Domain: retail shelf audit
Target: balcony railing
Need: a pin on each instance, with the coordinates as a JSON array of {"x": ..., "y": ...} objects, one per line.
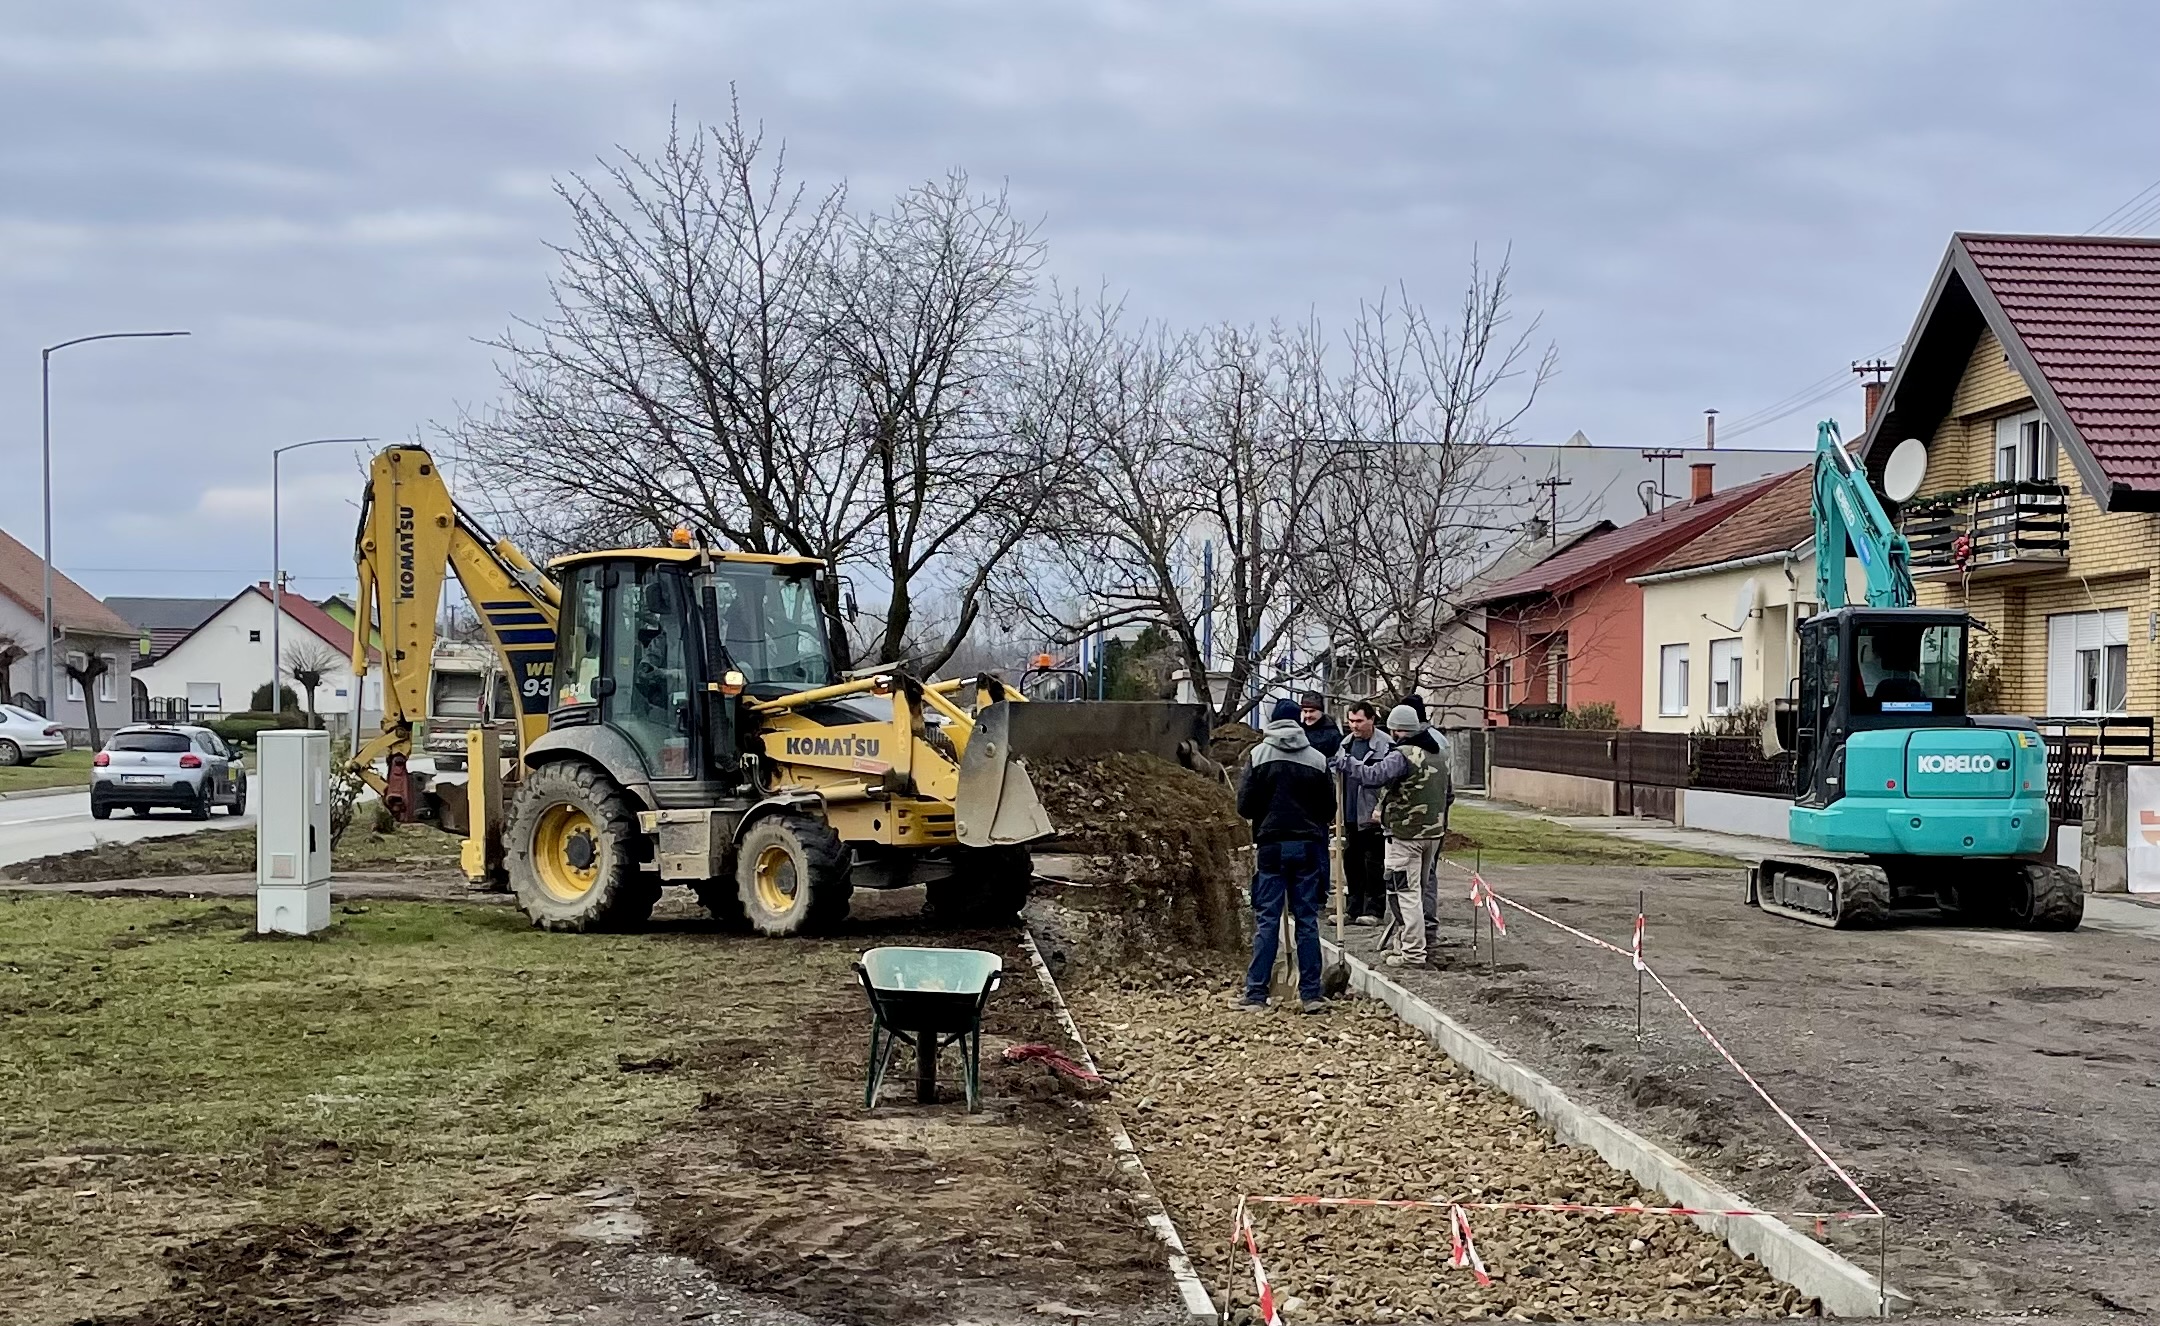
[{"x": 1989, "y": 530}]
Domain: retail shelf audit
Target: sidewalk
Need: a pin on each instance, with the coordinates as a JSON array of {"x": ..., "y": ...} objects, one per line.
[{"x": 2116, "y": 913}]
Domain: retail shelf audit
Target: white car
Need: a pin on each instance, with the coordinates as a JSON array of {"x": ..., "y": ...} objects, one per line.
[{"x": 26, "y": 737}]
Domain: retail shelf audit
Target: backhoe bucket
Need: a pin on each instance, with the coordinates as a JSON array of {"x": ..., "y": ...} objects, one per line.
[{"x": 998, "y": 804}]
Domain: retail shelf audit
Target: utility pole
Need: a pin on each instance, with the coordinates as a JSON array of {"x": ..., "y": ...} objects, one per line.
[
  {"x": 1552, "y": 484},
  {"x": 1662, "y": 455}
]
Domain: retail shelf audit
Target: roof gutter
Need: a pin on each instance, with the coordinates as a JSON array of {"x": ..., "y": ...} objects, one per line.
[{"x": 1800, "y": 549}]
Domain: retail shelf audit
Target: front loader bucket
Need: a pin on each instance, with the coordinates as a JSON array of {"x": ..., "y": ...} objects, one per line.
[{"x": 998, "y": 804}]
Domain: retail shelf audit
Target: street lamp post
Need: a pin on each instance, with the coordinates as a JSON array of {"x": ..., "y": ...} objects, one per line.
[
  {"x": 277, "y": 573},
  {"x": 52, "y": 638}
]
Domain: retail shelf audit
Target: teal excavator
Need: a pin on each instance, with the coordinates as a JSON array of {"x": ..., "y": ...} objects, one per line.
[{"x": 1916, "y": 807}]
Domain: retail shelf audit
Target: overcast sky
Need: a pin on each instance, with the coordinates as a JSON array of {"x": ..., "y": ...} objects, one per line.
[{"x": 1710, "y": 204}]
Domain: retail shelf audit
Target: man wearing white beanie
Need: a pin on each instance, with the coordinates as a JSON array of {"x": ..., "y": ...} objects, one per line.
[{"x": 1415, "y": 794}]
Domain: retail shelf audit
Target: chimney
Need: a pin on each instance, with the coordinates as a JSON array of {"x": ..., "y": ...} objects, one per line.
[
  {"x": 1871, "y": 393},
  {"x": 1699, "y": 481},
  {"x": 1709, "y": 430}
]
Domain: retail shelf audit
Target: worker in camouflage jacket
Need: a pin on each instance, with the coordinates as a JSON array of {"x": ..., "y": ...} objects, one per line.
[{"x": 1416, "y": 791}]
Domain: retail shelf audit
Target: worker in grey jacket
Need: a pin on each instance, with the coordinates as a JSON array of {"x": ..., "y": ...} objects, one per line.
[
  {"x": 1364, "y": 841},
  {"x": 1416, "y": 790}
]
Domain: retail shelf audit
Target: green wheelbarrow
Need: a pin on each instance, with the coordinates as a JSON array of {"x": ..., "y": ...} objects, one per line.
[{"x": 928, "y": 998}]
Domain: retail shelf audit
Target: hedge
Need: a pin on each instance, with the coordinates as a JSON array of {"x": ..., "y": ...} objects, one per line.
[{"x": 241, "y": 729}]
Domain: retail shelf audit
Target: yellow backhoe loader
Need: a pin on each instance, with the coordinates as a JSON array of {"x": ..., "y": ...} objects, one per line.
[{"x": 680, "y": 721}]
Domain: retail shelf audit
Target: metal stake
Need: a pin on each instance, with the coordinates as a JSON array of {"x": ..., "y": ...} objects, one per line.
[
  {"x": 1882, "y": 1268},
  {"x": 1639, "y": 894}
]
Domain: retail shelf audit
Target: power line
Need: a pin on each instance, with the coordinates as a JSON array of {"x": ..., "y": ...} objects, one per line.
[{"x": 2128, "y": 208}]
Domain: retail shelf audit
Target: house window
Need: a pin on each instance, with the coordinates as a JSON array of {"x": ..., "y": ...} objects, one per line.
[
  {"x": 1505, "y": 679},
  {"x": 1672, "y": 680},
  {"x": 108, "y": 679},
  {"x": 2024, "y": 448},
  {"x": 75, "y": 663},
  {"x": 2088, "y": 662},
  {"x": 254, "y": 637},
  {"x": 1724, "y": 675},
  {"x": 1556, "y": 672}
]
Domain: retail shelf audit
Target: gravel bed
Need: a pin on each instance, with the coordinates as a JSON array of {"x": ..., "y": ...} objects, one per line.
[{"x": 1354, "y": 1103}]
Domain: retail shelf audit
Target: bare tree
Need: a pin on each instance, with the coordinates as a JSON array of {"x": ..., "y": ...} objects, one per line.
[
  {"x": 85, "y": 675},
  {"x": 309, "y": 662},
  {"x": 12, "y": 651},
  {"x": 729, "y": 350},
  {"x": 1407, "y": 522},
  {"x": 1202, "y": 453}
]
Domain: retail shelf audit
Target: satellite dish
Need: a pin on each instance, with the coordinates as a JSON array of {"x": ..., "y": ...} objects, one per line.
[
  {"x": 1750, "y": 598},
  {"x": 1905, "y": 469}
]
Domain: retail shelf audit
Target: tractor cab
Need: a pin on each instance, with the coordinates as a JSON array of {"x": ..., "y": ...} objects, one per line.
[
  {"x": 1870, "y": 669},
  {"x": 657, "y": 644}
]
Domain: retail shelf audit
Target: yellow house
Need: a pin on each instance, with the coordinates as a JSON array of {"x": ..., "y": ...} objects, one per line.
[{"x": 2032, "y": 374}]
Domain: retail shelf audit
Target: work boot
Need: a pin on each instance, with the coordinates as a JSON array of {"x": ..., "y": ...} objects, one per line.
[
  {"x": 1313, "y": 1006},
  {"x": 1246, "y": 1007}
]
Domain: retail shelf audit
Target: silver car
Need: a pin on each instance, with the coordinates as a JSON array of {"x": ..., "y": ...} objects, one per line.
[
  {"x": 155, "y": 764},
  {"x": 26, "y": 737}
]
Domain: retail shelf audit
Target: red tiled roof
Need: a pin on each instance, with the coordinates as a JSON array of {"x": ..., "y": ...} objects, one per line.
[
  {"x": 1780, "y": 520},
  {"x": 22, "y": 578},
  {"x": 303, "y": 613},
  {"x": 1627, "y": 550},
  {"x": 2087, "y": 310}
]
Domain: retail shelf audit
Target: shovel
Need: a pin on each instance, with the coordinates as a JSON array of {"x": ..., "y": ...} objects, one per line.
[{"x": 1335, "y": 977}]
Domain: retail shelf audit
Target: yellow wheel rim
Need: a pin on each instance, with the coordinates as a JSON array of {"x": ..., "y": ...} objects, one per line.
[
  {"x": 776, "y": 884},
  {"x": 566, "y": 852}
]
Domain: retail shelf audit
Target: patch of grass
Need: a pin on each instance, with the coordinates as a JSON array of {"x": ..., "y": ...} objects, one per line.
[
  {"x": 232, "y": 851},
  {"x": 1508, "y": 839},
  {"x": 68, "y": 769},
  {"x": 163, "y": 1071}
]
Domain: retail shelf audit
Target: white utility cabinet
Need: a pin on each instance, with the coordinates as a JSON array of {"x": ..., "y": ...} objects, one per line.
[{"x": 292, "y": 835}]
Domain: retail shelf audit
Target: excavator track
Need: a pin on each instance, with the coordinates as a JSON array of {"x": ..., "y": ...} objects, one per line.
[
  {"x": 1851, "y": 893},
  {"x": 1837, "y": 892}
]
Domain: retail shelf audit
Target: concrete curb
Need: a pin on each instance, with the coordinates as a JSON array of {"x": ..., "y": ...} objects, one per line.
[
  {"x": 1843, "y": 1288},
  {"x": 29, "y": 792},
  {"x": 1197, "y": 1303}
]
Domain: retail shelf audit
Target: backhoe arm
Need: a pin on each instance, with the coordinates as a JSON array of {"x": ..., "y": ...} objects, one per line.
[
  {"x": 1848, "y": 515},
  {"x": 412, "y": 536}
]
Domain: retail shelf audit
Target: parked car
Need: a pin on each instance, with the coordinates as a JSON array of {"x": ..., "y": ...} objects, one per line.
[
  {"x": 153, "y": 764},
  {"x": 27, "y": 737}
]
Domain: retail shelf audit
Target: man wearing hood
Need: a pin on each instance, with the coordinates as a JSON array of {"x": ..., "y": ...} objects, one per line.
[
  {"x": 1287, "y": 795},
  {"x": 1415, "y": 793},
  {"x": 1364, "y": 841}
]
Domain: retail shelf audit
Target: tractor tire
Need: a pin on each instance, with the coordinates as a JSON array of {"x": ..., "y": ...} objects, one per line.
[
  {"x": 573, "y": 851},
  {"x": 2047, "y": 897},
  {"x": 722, "y": 902},
  {"x": 988, "y": 887},
  {"x": 793, "y": 876}
]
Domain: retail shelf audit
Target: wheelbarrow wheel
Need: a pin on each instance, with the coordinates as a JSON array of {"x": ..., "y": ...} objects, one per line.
[
  {"x": 988, "y": 886},
  {"x": 572, "y": 845},
  {"x": 792, "y": 876}
]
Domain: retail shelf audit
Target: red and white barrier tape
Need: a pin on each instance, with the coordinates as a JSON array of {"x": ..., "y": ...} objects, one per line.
[
  {"x": 1557, "y": 1208},
  {"x": 1481, "y": 895},
  {"x": 1464, "y": 1249},
  {"x": 1493, "y": 899},
  {"x": 1266, "y": 1294}
]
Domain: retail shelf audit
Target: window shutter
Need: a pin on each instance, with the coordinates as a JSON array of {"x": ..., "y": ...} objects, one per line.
[{"x": 2061, "y": 663}]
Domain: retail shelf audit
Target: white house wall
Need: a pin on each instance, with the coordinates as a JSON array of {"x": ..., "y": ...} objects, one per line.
[
  {"x": 28, "y": 677},
  {"x": 1696, "y": 609},
  {"x": 233, "y": 650}
]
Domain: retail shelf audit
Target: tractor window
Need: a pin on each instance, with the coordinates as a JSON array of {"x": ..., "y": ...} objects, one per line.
[
  {"x": 1909, "y": 668},
  {"x": 650, "y": 661},
  {"x": 773, "y": 627},
  {"x": 579, "y": 637}
]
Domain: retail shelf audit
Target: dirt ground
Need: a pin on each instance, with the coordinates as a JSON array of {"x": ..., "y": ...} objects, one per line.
[
  {"x": 1995, "y": 1091},
  {"x": 765, "y": 1195}
]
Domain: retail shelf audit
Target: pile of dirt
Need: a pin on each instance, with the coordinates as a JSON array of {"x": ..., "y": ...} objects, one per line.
[
  {"x": 1231, "y": 743},
  {"x": 1167, "y": 849}
]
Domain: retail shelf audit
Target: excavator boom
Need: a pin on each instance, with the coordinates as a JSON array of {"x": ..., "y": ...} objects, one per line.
[{"x": 412, "y": 537}]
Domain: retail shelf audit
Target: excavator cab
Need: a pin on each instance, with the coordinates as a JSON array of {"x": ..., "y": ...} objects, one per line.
[{"x": 1869, "y": 669}]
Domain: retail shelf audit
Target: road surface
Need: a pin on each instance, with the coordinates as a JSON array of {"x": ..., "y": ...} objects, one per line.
[{"x": 31, "y": 827}]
